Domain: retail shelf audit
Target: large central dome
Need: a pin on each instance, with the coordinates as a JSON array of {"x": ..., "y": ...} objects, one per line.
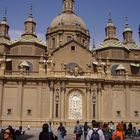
[
  {"x": 68, "y": 19},
  {"x": 67, "y": 16},
  {"x": 67, "y": 26}
]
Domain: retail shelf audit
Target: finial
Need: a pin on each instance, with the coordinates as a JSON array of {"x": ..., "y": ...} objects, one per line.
[
  {"x": 30, "y": 12},
  {"x": 139, "y": 33},
  {"x": 126, "y": 22},
  {"x": 94, "y": 45},
  {"x": 5, "y": 15},
  {"x": 109, "y": 17}
]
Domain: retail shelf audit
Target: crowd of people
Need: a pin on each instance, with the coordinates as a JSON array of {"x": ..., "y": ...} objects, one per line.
[
  {"x": 94, "y": 131},
  {"x": 10, "y": 133}
]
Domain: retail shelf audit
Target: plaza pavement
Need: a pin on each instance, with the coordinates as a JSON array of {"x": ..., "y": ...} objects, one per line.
[{"x": 33, "y": 134}]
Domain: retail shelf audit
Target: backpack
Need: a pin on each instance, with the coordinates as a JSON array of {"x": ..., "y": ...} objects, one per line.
[
  {"x": 78, "y": 130},
  {"x": 64, "y": 132},
  {"x": 95, "y": 135},
  {"x": 117, "y": 138}
]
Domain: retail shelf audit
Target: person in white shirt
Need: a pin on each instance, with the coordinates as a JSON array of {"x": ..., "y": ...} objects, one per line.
[{"x": 95, "y": 126}]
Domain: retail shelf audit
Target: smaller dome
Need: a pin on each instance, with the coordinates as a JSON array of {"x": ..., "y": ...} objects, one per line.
[
  {"x": 127, "y": 29},
  {"x": 110, "y": 24},
  {"x": 30, "y": 19},
  {"x": 4, "y": 22},
  {"x": 68, "y": 19}
]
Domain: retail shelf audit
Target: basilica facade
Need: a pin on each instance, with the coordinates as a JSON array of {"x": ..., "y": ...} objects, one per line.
[{"x": 64, "y": 80}]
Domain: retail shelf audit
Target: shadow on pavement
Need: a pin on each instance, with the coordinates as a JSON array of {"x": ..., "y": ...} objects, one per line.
[{"x": 25, "y": 137}]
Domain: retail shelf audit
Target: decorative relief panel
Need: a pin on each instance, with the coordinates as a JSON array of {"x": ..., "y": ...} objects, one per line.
[
  {"x": 74, "y": 69},
  {"x": 75, "y": 106}
]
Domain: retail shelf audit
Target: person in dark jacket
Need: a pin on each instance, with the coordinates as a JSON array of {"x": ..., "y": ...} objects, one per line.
[
  {"x": 44, "y": 134},
  {"x": 61, "y": 132}
]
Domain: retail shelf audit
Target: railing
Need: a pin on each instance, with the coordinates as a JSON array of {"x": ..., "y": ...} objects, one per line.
[
  {"x": 91, "y": 75},
  {"x": 21, "y": 73}
]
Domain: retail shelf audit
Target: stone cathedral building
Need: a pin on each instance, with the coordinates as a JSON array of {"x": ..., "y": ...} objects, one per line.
[{"x": 64, "y": 80}]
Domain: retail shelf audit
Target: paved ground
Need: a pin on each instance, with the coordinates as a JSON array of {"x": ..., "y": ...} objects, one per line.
[{"x": 34, "y": 133}]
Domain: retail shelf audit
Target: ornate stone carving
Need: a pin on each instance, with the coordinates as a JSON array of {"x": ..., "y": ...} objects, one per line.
[
  {"x": 75, "y": 106},
  {"x": 75, "y": 71}
]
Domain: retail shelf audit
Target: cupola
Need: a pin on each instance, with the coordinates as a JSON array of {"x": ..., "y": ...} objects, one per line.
[
  {"x": 127, "y": 34},
  {"x": 30, "y": 25}
]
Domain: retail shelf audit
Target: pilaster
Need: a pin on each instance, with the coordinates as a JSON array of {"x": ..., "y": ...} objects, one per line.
[
  {"x": 1, "y": 96},
  {"x": 20, "y": 101},
  {"x": 99, "y": 93},
  {"x": 63, "y": 89},
  {"x": 88, "y": 102},
  {"x": 39, "y": 100},
  {"x": 127, "y": 102},
  {"x": 51, "y": 100}
]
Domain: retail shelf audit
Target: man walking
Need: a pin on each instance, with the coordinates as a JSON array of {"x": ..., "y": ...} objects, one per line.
[{"x": 95, "y": 132}]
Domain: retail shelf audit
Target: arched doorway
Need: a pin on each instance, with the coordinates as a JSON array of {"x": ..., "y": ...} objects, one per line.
[{"x": 75, "y": 105}]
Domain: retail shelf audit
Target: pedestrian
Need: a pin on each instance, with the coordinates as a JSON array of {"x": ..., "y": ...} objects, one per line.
[
  {"x": 78, "y": 130},
  {"x": 86, "y": 128},
  {"x": 8, "y": 134},
  {"x": 61, "y": 132},
  {"x": 50, "y": 127},
  {"x": 44, "y": 134},
  {"x": 107, "y": 131},
  {"x": 28, "y": 127},
  {"x": 118, "y": 134},
  {"x": 95, "y": 132},
  {"x": 1, "y": 134}
]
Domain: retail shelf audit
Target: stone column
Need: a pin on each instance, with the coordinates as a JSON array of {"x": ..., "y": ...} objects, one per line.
[
  {"x": 110, "y": 101},
  {"x": 39, "y": 99},
  {"x": 88, "y": 102},
  {"x": 2, "y": 66},
  {"x": 51, "y": 100},
  {"x": 1, "y": 101},
  {"x": 20, "y": 101},
  {"x": 99, "y": 93},
  {"x": 127, "y": 103},
  {"x": 63, "y": 89}
]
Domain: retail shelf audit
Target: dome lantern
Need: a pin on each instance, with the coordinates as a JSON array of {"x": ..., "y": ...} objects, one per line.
[
  {"x": 127, "y": 34},
  {"x": 30, "y": 24},
  {"x": 68, "y": 6}
]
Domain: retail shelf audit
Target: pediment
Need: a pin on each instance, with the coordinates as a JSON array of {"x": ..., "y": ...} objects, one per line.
[
  {"x": 72, "y": 53},
  {"x": 70, "y": 44}
]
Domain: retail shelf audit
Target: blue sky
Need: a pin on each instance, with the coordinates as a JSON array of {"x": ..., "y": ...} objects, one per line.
[{"x": 93, "y": 12}]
